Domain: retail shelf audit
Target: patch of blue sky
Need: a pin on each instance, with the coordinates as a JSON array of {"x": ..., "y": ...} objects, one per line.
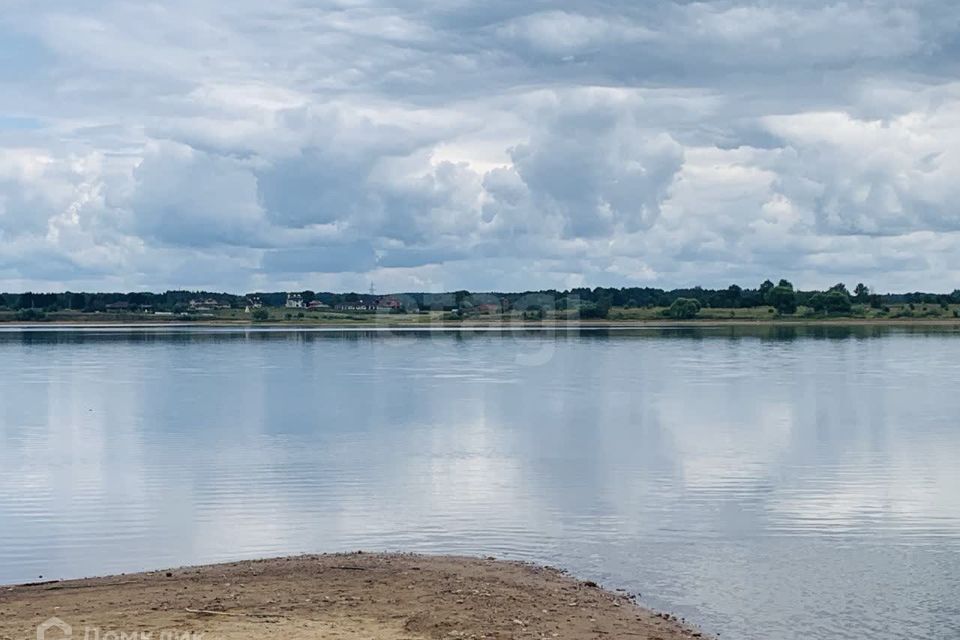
[{"x": 19, "y": 123}]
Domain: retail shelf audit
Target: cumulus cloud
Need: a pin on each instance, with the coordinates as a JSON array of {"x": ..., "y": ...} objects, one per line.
[
  {"x": 873, "y": 176},
  {"x": 493, "y": 145}
]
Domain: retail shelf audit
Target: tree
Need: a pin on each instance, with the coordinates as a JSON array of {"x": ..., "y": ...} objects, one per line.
[
  {"x": 833, "y": 301},
  {"x": 842, "y": 288},
  {"x": 604, "y": 302},
  {"x": 77, "y": 301},
  {"x": 733, "y": 296},
  {"x": 684, "y": 309},
  {"x": 782, "y": 297},
  {"x": 862, "y": 292},
  {"x": 595, "y": 310},
  {"x": 30, "y": 315},
  {"x": 765, "y": 288}
]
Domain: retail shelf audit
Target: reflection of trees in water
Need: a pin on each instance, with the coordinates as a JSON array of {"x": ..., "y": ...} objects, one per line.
[{"x": 211, "y": 335}]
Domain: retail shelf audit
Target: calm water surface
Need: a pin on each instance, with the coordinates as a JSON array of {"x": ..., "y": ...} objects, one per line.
[{"x": 771, "y": 484}]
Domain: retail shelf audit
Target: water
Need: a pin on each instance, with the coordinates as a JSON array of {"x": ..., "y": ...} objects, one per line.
[{"x": 767, "y": 484}]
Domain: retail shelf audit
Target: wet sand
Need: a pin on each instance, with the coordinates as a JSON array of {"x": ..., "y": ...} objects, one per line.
[{"x": 336, "y": 597}]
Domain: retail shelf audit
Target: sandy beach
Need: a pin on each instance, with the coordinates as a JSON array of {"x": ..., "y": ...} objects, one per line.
[{"x": 343, "y": 597}]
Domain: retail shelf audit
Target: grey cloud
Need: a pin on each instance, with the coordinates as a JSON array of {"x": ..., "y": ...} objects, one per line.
[
  {"x": 315, "y": 188},
  {"x": 598, "y": 170},
  {"x": 407, "y": 257},
  {"x": 46, "y": 264},
  {"x": 566, "y": 34},
  {"x": 22, "y": 210},
  {"x": 185, "y": 197},
  {"x": 355, "y": 257}
]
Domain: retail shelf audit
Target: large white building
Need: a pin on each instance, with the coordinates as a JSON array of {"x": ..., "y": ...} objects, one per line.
[{"x": 294, "y": 301}]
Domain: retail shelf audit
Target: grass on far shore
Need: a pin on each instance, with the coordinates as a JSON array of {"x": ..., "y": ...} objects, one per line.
[{"x": 899, "y": 313}]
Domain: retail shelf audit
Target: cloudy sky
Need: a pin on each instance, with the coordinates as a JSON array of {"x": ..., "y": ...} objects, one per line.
[{"x": 443, "y": 144}]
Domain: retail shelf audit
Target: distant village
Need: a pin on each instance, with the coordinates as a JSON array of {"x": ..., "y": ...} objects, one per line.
[
  {"x": 380, "y": 304},
  {"x": 210, "y": 304},
  {"x": 297, "y": 301}
]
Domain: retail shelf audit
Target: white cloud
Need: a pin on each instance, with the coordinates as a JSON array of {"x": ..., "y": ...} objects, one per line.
[{"x": 874, "y": 176}]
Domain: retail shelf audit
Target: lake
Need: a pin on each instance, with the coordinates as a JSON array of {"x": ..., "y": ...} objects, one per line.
[{"x": 765, "y": 483}]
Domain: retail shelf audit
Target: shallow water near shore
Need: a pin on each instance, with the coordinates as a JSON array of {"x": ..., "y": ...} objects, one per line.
[{"x": 778, "y": 482}]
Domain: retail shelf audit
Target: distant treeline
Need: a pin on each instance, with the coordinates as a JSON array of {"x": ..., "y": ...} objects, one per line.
[
  {"x": 782, "y": 296},
  {"x": 172, "y": 301}
]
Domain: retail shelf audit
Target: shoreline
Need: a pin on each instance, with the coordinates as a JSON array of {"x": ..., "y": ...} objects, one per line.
[
  {"x": 345, "y": 596},
  {"x": 493, "y": 325}
]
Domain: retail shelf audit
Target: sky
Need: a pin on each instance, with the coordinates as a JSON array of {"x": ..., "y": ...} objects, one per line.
[{"x": 500, "y": 145}]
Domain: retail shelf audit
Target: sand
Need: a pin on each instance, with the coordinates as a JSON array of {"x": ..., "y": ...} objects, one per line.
[{"x": 335, "y": 597}]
